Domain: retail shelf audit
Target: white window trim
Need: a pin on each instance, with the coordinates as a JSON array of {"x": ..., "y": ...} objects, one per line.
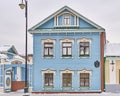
[
  {"x": 66, "y": 71},
  {"x": 84, "y": 39},
  {"x": 63, "y": 18},
  {"x": 47, "y": 41},
  {"x": 48, "y": 71},
  {"x": 76, "y": 20},
  {"x": 66, "y": 40},
  {"x": 84, "y": 71}
]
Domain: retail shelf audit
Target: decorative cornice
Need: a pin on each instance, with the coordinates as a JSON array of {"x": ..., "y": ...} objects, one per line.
[{"x": 66, "y": 30}]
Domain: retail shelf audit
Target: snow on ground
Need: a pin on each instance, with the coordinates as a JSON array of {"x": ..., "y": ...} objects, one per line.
[
  {"x": 29, "y": 94},
  {"x": 21, "y": 93}
]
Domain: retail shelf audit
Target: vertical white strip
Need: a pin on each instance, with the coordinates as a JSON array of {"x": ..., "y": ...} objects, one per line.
[
  {"x": 112, "y": 72},
  {"x": 18, "y": 73}
]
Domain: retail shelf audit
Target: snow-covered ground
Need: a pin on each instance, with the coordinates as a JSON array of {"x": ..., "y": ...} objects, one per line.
[{"x": 21, "y": 93}]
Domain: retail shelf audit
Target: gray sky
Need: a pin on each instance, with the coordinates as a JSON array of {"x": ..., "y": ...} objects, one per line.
[{"x": 105, "y": 13}]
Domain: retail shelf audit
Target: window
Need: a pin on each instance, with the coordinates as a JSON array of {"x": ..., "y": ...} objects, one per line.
[
  {"x": 67, "y": 79},
  {"x": 84, "y": 79},
  {"x": 66, "y": 49},
  {"x": 48, "y": 49},
  {"x": 48, "y": 79},
  {"x": 66, "y": 20},
  {"x": 84, "y": 48}
]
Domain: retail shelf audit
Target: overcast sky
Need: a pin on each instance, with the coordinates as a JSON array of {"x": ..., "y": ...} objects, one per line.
[{"x": 105, "y": 13}]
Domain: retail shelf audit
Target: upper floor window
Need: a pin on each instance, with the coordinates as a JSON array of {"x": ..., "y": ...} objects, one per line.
[
  {"x": 48, "y": 49},
  {"x": 66, "y": 19},
  {"x": 84, "y": 48},
  {"x": 66, "y": 49}
]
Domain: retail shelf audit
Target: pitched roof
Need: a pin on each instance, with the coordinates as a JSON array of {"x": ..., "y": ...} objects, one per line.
[
  {"x": 3, "y": 56},
  {"x": 61, "y": 10},
  {"x": 6, "y": 48},
  {"x": 112, "y": 49}
]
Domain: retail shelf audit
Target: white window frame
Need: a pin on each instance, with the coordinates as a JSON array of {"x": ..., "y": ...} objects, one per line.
[
  {"x": 66, "y": 71},
  {"x": 48, "y": 41},
  {"x": 66, "y": 19},
  {"x": 84, "y": 71},
  {"x": 67, "y": 40},
  {"x": 84, "y": 39},
  {"x": 48, "y": 71}
]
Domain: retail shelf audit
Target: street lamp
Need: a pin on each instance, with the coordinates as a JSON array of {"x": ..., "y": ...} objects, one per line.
[
  {"x": 112, "y": 63},
  {"x": 22, "y": 6}
]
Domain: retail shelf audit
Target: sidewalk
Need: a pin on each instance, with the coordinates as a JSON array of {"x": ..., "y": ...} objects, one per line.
[{"x": 21, "y": 93}]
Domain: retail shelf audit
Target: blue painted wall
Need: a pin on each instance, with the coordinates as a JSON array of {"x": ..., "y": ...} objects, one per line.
[{"x": 58, "y": 63}]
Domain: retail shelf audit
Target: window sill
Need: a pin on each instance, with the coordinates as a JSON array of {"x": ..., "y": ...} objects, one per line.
[
  {"x": 84, "y": 88},
  {"x": 67, "y": 88},
  {"x": 48, "y": 57},
  {"x": 84, "y": 55},
  {"x": 66, "y": 56},
  {"x": 48, "y": 88}
]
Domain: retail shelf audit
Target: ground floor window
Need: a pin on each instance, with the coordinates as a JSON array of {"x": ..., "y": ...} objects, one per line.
[
  {"x": 84, "y": 80},
  {"x": 67, "y": 79},
  {"x": 48, "y": 80}
]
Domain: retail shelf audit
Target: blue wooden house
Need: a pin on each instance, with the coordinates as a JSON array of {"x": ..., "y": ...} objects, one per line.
[
  {"x": 68, "y": 53},
  {"x": 12, "y": 69}
]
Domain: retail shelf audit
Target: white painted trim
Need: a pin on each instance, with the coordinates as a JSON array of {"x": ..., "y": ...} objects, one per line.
[
  {"x": 84, "y": 39},
  {"x": 18, "y": 74},
  {"x": 59, "y": 11},
  {"x": 66, "y": 40},
  {"x": 66, "y": 30},
  {"x": 85, "y": 71},
  {"x": 66, "y": 71},
  {"x": 112, "y": 71},
  {"x": 47, "y": 40},
  {"x": 48, "y": 71}
]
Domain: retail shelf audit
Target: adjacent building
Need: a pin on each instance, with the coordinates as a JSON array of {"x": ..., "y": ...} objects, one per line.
[
  {"x": 12, "y": 69},
  {"x": 112, "y": 67},
  {"x": 68, "y": 53}
]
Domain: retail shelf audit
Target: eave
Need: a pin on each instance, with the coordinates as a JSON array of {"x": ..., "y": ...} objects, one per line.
[{"x": 65, "y": 30}]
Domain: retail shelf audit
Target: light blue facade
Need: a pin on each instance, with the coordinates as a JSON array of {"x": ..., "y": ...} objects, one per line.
[{"x": 52, "y": 29}]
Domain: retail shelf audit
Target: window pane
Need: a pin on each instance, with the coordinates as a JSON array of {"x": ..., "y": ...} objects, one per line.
[
  {"x": 67, "y": 44},
  {"x": 67, "y": 48},
  {"x": 84, "y": 79},
  {"x": 84, "y": 48},
  {"x": 67, "y": 79},
  {"x": 66, "y": 19},
  {"x": 69, "y": 51},
  {"x": 48, "y": 79},
  {"x": 64, "y": 51},
  {"x": 48, "y": 49},
  {"x": 82, "y": 51}
]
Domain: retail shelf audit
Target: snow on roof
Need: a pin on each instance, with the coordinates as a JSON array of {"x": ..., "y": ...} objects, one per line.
[
  {"x": 3, "y": 56},
  {"x": 5, "y": 47},
  {"x": 112, "y": 49}
]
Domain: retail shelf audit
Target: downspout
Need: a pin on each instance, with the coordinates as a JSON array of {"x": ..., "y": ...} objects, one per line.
[{"x": 104, "y": 73}]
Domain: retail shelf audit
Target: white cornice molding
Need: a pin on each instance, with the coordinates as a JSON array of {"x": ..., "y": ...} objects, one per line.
[{"x": 66, "y": 30}]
